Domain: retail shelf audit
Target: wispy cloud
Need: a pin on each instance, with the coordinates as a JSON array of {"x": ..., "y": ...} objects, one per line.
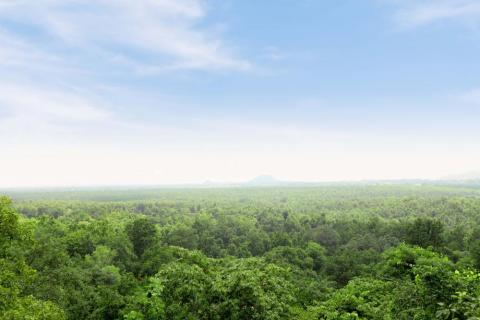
[
  {"x": 53, "y": 54},
  {"x": 33, "y": 112},
  {"x": 20, "y": 58},
  {"x": 44, "y": 103},
  {"x": 416, "y": 13},
  {"x": 273, "y": 53},
  {"x": 166, "y": 33}
]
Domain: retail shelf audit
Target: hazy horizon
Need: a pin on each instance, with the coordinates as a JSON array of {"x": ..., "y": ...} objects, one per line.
[
  {"x": 472, "y": 177},
  {"x": 183, "y": 91}
]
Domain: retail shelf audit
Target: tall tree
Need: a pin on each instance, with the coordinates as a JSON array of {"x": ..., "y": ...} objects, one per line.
[{"x": 142, "y": 234}]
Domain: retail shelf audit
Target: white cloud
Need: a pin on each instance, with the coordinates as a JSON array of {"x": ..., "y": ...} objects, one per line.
[
  {"x": 49, "y": 87},
  {"x": 32, "y": 112},
  {"x": 416, "y": 13},
  {"x": 59, "y": 105},
  {"x": 17, "y": 53},
  {"x": 166, "y": 31}
]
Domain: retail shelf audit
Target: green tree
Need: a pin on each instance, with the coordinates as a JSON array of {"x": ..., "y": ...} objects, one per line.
[
  {"x": 142, "y": 233},
  {"x": 16, "y": 275},
  {"x": 425, "y": 232},
  {"x": 253, "y": 289}
]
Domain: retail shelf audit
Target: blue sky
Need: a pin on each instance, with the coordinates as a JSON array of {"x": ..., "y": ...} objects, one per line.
[{"x": 176, "y": 91}]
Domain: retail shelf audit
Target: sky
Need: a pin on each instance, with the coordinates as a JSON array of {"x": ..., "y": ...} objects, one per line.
[{"x": 133, "y": 92}]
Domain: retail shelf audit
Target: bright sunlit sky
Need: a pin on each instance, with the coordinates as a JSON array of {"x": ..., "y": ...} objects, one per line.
[{"x": 114, "y": 92}]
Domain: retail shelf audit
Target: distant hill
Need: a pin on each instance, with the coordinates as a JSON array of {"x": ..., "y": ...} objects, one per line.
[{"x": 264, "y": 180}]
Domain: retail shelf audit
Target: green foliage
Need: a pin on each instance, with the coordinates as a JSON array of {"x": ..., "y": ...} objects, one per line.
[
  {"x": 425, "y": 232},
  {"x": 184, "y": 290},
  {"x": 465, "y": 302},
  {"x": 290, "y": 256},
  {"x": 29, "y": 308},
  {"x": 16, "y": 275},
  {"x": 346, "y": 252},
  {"x": 404, "y": 261},
  {"x": 141, "y": 233},
  {"x": 360, "y": 299},
  {"x": 253, "y": 289},
  {"x": 229, "y": 289},
  {"x": 9, "y": 226}
]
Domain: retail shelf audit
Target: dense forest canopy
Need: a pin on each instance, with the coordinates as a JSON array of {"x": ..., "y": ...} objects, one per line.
[{"x": 325, "y": 252}]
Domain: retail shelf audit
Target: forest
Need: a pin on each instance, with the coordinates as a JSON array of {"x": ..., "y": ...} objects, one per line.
[{"x": 321, "y": 252}]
